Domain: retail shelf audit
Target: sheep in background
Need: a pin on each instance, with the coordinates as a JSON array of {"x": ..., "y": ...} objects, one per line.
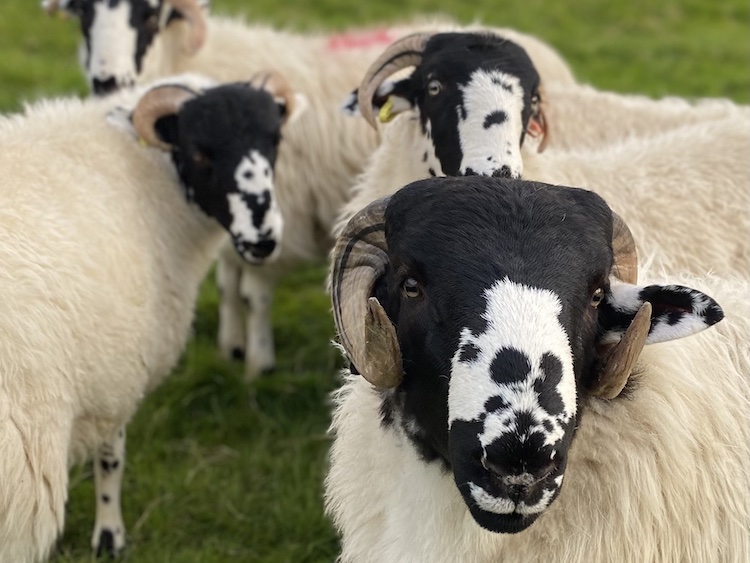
[
  {"x": 512, "y": 413},
  {"x": 686, "y": 187},
  {"x": 322, "y": 154},
  {"x": 103, "y": 246},
  {"x": 581, "y": 117}
]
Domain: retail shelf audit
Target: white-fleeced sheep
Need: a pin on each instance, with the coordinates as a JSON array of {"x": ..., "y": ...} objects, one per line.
[
  {"x": 322, "y": 154},
  {"x": 456, "y": 441},
  {"x": 581, "y": 117},
  {"x": 675, "y": 171},
  {"x": 104, "y": 242}
]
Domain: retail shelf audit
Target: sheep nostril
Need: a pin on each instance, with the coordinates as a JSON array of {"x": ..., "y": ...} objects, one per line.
[
  {"x": 263, "y": 248},
  {"x": 104, "y": 87},
  {"x": 504, "y": 172}
]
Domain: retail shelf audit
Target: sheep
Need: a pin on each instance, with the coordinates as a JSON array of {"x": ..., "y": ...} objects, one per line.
[
  {"x": 322, "y": 154},
  {"x": 104, "y": 245},
  {"x": 672, "y": 160},
  {"x": 506, "y": 408}
]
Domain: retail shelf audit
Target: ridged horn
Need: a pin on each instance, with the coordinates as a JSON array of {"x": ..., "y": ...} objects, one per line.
[
  {"x": 192, "y": 12},
  {"x": 618, "y": 359},
  {"x": 625, "y": 266},
  {"x": 403, "y": 53},
  {"x": 276, "y": 85},
  {"x": 157, "y": 103},
  {"x": 617, "y": 363},
  {"x": 359, "y": 258}
]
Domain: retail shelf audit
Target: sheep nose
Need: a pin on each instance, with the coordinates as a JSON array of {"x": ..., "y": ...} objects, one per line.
[
  {"x": 504, "y": 172},
  {"x": 516, "y": 484},
  {"x": 263, "y": 249},
  {"x": 104, "y": 87}
]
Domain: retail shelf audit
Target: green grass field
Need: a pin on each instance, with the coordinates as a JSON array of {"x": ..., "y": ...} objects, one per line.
[{"x": 217, "y": 471}]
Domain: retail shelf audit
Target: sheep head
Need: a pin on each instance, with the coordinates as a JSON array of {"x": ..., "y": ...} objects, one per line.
[
  {"x": 477, "y": 96},
  {"x": 485, "y": 310}
]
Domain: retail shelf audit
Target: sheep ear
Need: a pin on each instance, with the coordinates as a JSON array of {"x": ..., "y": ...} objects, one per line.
[
  {"x": 632, "y": 316},
  {"x": 394, "y": 95},
  {"x": 677, "y": 311},
  {"x": 537, "y": 126}
]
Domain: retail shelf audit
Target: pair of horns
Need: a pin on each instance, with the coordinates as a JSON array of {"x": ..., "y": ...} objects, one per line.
[
  {"x": 167, "y": 100},
  {"x": 190, "y": 9},
  {"x": 360, "y": 257}
]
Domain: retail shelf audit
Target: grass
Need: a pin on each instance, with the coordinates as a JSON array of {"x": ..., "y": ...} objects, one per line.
[{"x": 217, "y": 471}]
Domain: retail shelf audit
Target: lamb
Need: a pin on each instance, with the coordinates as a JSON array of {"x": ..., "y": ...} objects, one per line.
[
  {"x": 322, "y": 154},
  {"x": 693, "y": 172},
  {"x": 512, "y": 413},
  {"x": 104, "y": 245}
]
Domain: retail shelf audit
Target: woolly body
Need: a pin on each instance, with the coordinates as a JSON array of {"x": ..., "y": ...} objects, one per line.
[
  {"x": 661, "y": 474},
  {"x": 102, "y": 258}
]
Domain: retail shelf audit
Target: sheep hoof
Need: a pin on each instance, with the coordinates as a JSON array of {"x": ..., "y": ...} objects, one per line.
[
  {"x": 106, "y": 545},
  {"x": 238, "y": 354}
]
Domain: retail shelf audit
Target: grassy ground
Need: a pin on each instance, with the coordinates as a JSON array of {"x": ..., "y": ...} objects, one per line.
[{"x": 219, "y": 472}]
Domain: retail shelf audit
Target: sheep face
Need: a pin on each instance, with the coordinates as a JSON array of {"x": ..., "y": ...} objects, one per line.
[
  {"x": 224, "y": 145},
  {"x": 476, "y": 95},
  {"x": 116, "y": 36},
  {"x": 501, "y": 295}
]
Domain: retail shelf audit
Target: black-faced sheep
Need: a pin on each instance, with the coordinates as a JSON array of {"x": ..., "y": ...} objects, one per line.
[
  {"x": 506, "y": 408},
  {"x": 105, "y": 242}
]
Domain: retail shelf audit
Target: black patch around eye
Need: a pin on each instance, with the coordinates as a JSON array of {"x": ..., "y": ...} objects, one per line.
[
  {"x": 510, "y": 366},
  {"x": 469, "y": 353},
  {"x": 495, "y": 118}
]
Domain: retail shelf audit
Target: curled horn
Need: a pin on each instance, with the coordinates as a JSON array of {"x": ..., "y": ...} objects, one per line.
[
  {"x": 192, "y": 12},
  {"x": 157, "y": 103},
  {"x": 405, "y": 52},
  {"x": 617, "y": 360},
  {"x": 359, "y": 258},
  {"x": 276, "y": 85}
]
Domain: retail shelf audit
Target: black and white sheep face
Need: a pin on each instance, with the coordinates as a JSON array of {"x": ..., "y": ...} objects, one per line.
[
  {"x": 476, "y": 95},
  {"x": 224, "y": 145},
  {"x": 500, "y": 292},
  {"x": 116, "y": 37}
]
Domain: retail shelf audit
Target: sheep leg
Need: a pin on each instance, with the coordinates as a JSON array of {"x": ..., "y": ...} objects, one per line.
[
  {"x": 257, "y": 290},
  {"x": 231, "y": 309},
  {"x": 109, "y": 530}
]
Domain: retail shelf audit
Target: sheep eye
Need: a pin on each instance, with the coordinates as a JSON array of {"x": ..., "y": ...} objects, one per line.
[
  {"x": 200, "y": 159},
  {"x": 411, "y": 288},
  {"x": 434, "y": 87},
  {"x": 597, "y": 297}
]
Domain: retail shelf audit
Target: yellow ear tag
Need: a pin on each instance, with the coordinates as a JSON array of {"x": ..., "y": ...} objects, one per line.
[
  {"x": 386, "y": 112},
  {"x": 142, "y": 142}
]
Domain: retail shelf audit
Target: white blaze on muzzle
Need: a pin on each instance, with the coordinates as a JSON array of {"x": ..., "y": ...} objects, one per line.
[
  {"x": 490, "y": 133},
  {"x": 523, "y": 321},
  {"x": 255, "y": 214},
  {"x": 113, "y": 45}
]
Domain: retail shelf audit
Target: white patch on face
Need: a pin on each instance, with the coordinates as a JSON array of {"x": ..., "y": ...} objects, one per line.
[
  {"x": 254, "y": 177},
  {"x": 113, "y": 45},
  {"x": 487, "y": 146},
  {"x": 525, "y": 319}
]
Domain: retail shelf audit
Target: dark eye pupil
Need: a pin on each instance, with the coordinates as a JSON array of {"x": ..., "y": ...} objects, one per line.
[{"x": 411, "y": 288}]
